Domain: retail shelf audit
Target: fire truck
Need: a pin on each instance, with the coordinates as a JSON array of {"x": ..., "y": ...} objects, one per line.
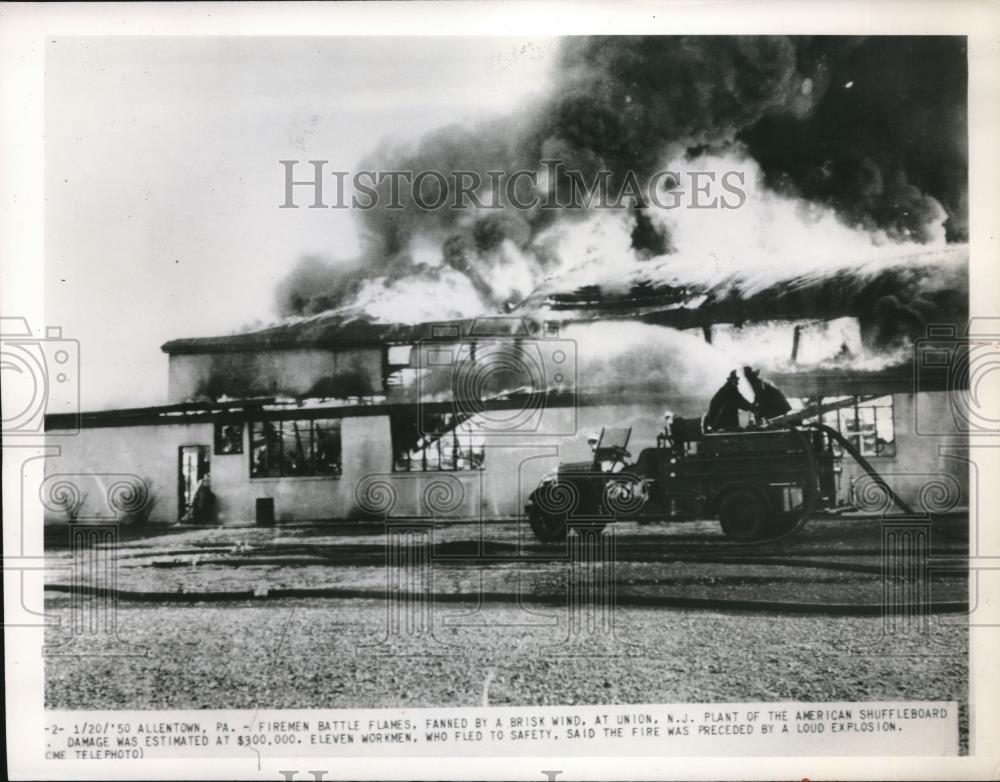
[{"x": 760, "y": 483}]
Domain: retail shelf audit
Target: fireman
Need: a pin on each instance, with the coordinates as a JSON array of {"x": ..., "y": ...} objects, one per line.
[
  {"x": 724, "y": 409},
  {"x": 665, "y": 439},
  {"x": 769, "y": 401}
]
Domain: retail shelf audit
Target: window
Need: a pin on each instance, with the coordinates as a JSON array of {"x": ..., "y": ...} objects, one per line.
[
  {"x": 865, "y": 421},
  {"x": 398, "y": 369},
  {"x": 295, "y": 448},
  {"x": 435, "y": 441},
  {"x": 228, "y": 438}
]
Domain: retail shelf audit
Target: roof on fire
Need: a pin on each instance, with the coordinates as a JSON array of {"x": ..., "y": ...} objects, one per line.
[
  {"x": 926, "y": 286},
  {"x": 352, "y": 328}
]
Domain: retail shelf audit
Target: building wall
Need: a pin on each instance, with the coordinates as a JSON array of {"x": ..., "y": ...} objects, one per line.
[
  {"x": 927, "y": 470},
  {"x": 97, "y": 458},
  {"x": 514, "y": 464},
  {"x": 366, "y": 450}
]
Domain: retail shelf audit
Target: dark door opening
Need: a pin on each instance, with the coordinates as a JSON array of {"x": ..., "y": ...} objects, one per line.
[{"x": 195, "y": 501}]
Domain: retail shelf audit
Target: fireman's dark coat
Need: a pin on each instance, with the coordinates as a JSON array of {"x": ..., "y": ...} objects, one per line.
[
  {"x": 724, "y": 409},
  {"x": 769, "y": 401}
]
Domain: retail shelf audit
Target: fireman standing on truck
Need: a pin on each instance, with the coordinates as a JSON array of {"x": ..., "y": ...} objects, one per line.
[
  {"x": 724, "y": 409},
  {"x": 769, "y": 401}
]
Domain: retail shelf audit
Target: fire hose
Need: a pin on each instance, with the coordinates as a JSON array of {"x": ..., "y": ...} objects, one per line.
[
  {"x": 555, "y": 599},
  {"x": 812, "y": 496},
  {"x": 866, "y": 466}
]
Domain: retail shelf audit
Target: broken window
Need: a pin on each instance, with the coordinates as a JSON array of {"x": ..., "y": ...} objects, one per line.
[
  {"x": 228, "y": 438},
  {"x": 295, "y": 448},
  {"x": 868, "y": 425},
  {"x": 398, "y": 370},
  {"x": 435, "y": 441},
  {"x": 865, "y": 421}
]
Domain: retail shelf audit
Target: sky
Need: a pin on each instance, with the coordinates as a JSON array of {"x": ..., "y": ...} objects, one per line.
[{"x": 162, "y": 181}]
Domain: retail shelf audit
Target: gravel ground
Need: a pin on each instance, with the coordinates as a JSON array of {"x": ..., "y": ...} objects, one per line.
[
  {"x": 335, "y": 653},
  {"x": 296, "y": 653}
]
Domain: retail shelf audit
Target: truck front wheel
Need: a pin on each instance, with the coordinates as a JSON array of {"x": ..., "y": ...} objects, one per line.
[
  {"x": 743, "y": 514},
  {"x": 548, "y": 527}
]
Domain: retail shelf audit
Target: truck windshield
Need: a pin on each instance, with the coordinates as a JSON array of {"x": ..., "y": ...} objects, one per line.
[{"x": 614, "y": 437}]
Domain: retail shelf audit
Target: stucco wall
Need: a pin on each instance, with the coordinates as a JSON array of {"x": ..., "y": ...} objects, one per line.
[
  {"x": 97, "y": 458},
  {"x": 366, "y": 449},
  {"x": 927, "y": 471}
]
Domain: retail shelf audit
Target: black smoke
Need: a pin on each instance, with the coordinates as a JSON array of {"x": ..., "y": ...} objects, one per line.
[
  {"x": 649, "y": 239},
  {"x": 874, "y": 128},
  {"x": 887, "y": 146},
  {"x": 316, "y": 284},
  {"x": 623, "y": 103}
]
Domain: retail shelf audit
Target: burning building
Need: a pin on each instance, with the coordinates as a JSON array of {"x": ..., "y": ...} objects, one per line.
[
  {"x": 320, "y": 414},
  {"x": 466, "y": 351}
]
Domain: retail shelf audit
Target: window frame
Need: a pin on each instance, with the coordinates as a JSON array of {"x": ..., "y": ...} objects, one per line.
[
  {"x": 857, "y": 436},
  {"x": 424, "y": 463},
  {"x": 257, "y": 425},
  {"x": 217, "y": 441},
  {"x": 853, "y": 415}
]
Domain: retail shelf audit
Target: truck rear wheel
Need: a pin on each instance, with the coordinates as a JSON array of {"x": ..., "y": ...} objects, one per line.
[{"x": 743, "y": 514}]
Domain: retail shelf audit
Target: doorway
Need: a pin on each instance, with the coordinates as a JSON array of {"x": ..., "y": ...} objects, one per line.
[{"x": 194, "y": 485}]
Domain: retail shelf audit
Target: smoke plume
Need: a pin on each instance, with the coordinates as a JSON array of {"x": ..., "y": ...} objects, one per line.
[
  {"x": 887, "y": 147},
  {"x": 867, "y": 133}
]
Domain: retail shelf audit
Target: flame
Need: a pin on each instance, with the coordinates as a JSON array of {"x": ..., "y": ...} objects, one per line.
[{"x": 769, "y": 240}]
